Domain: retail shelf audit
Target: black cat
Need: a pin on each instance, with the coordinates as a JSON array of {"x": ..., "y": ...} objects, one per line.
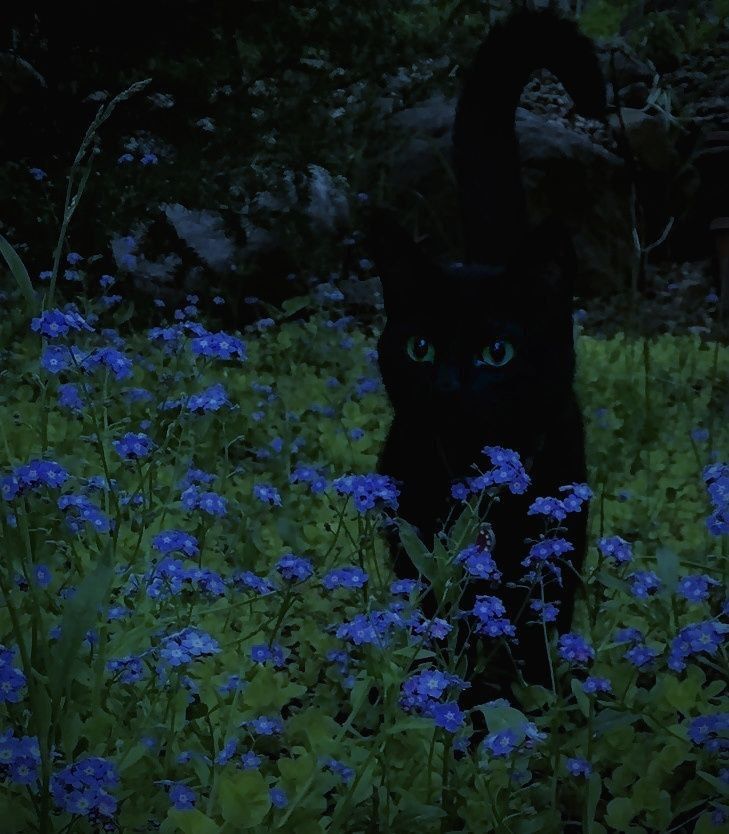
[{"x": 482, "y": 354}]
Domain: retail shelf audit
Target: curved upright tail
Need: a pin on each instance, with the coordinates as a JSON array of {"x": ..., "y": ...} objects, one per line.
[{"x": 484, "y": 135}]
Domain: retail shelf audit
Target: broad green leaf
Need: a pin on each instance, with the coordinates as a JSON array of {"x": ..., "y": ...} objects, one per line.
[
  {"x": 244, "y": 799},
  {"x": 416, "y": 550},
  {"x": 594, "y": 789},
  {"x": 80, "y": 613},
  {"x": 620, "y": 812},
  {"x": 189, "y": 821}
]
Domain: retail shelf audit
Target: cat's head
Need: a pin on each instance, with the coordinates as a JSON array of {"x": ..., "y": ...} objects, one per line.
[{"x": 464, "y": 344}]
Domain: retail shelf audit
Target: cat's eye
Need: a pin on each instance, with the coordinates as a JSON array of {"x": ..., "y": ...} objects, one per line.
[
  {"x": 497, "y": 354},
  {"x": 420, "y": 349}
]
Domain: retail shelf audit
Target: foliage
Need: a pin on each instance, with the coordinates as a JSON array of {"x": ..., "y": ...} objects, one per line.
[{"x": 190, "y": 665}]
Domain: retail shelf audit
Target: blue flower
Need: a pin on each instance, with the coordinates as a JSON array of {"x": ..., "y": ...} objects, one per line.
[
  {"x": 32, "y": 475},
  {"x": 267, "y": 493},
  {"x": 256, "y": 583},
  {"x": 501, "y": 743},
  {"x": 266, "y": 725},
  {"x": 594, "y": 684},
  {"x": 405, "y": 586},
  {"x": 548, "y": 610},
  {"x": 489, "y": 611},
  {"x": 640, "y": 655},
  {"x": 220, "y": 345},
  {"x": 367, "y": 490},
  {"x": 345, "y": 577},
  {"x": 478, "y": 562},
  {"x": 507, "y": 469},
  {"x": 448, "y": 716},
  {"x": 171, "y": 541},
  {"x": 695, "y": 587},
  {"x": 705, "y": 636},
  {"x": 645, "y": 582},
  {"x": 82, "y": 787},
  {"x": 278, "y": 797},
  {"x": 579, "y": 767},
  {"x": 68, "y": 397},
  {"x": 702, "y": 730},
  {"x": 211, "y": 399},
  {"x": 294, "y": 568},
  {"x": 575, "y": 649},
  {"x": 134, "y": 446},
  {"x": 550, "y": 507},
  {"x": 250, "y": 760},
  {"x": 346, "y": 773},
  {"x": 616, "y": 548},
  {"x": 56, "y": 323}
]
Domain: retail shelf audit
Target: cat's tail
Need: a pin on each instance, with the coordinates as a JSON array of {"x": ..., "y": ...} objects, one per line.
[{"x": 484, "y": 136}]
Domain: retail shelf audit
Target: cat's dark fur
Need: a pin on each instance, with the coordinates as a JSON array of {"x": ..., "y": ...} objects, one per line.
[{"x": 516, "y": 286}]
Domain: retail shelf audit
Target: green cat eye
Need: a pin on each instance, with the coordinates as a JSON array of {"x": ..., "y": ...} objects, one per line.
[
  {"x": 420, "y": 349},
  {"x": 497, "y": 354}
]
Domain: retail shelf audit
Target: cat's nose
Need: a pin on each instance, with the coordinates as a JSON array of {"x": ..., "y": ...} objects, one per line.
[{"x": 447, "y": 382}]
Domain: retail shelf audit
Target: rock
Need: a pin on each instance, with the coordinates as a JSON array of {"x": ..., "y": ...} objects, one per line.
[
  {"x": 566, "y": 174},
  {"x": 634, "y": 95}
]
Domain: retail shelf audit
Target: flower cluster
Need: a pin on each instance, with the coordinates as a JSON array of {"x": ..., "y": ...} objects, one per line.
[
  {"x": 80, "y": 509},
  {"x": 615, "y": 548},
  {"x": 169, "y": 576},
  {"x": 706, "y": 637},
  {"x": 479, "y": 563},
  {"x": 507, "y": 471},
  {"x": 557, "y": 509},
  {"x": 345, "y": 577},
  {"x": 12, "y": 680},
  {"x": 265, "y": 725},
  {"x": 210, "y": 502},
  {"x": 19, "y": 758},
  {"x": 421, "y": 693},
  {"x": 83, "y": 788},
  {"x": 261, "y": 653},
  {"x": 173, "y": 541},
  {"x": 645, "y": 582},
  {"x": 716, "y": 478},
  {"x": 575, "y": 649},
  {"x": 220, "y": 345},
  {"x": 309, "y": 475},
  {"x": 695, "y": 587},
  {"x": 55, "y": 323},
  {"x": 267, "y": 493},
  {"x": 367, "y": 490},
  {"x": 294, "y": 568},
  {"x": 371, "y": 628},
  {"x": 134, "y": 446},
  {"x": 186, "y": 646},
  {"x": 705, "y": 731},
  {"x": 30, "y": 476},
  {"x": 489, "y": 611}
]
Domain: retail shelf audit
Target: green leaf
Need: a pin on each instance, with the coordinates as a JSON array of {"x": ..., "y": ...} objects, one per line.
[
  {"x": 80, "y": 613},
  {"x": 20, "y": 273},
  {"x": 667, "y": 567},
  {"x": 594, "y": 789},
  {"x": 416, "y": 550},
  {"x": 583, "y": 701},
  {"x": 190, "y": 821},
  {"x": 620, "y": 812},
  {"x": 413, "y": 723},
  {"x": 244, "y": 799},
  {"x": 715, "y": 783}
]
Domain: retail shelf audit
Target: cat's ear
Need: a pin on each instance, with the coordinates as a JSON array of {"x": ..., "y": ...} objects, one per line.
[{"x": 403, "y": 267}]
